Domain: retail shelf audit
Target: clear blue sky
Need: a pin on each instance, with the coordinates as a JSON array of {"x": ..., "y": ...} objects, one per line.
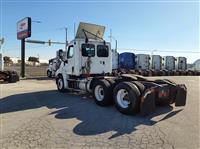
[{"x": 139, "y": 25}]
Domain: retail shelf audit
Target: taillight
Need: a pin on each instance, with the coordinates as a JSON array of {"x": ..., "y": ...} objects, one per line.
[{"x": 163, "y": 93}]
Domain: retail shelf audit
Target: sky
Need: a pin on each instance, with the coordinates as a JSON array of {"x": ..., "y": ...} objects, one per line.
[{"x": 159, "y": 27}]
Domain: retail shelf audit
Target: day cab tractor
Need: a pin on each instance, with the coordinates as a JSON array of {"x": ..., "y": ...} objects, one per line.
[
  {"x": 54, "y": 64},
  {"x": 9, "y": 76},
  {"x": 87, "y": 66}
]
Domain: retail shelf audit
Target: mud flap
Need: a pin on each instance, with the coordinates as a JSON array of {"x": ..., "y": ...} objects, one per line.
[
  {"x": 147, "y": 104},
  {"x": 181, "y": 95}
]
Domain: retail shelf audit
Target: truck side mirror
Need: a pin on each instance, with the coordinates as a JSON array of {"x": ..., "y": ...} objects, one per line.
[{"x": 86, "y": 40}]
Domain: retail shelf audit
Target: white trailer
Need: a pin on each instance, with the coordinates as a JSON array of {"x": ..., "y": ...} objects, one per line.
[
  {"x": 87, "y": 66},
  {"x": 142, "y": 62},
  {"x": 181, "y": 66},
  {"x": 169, "y": 63},
  {"x": 156, "y": 62},
  {"x": 156, "y": 65},
  {"x": 181, "y": 63}
]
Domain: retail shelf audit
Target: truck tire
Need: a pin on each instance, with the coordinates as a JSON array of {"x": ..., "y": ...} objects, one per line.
[
  {"x": 140, "y": 86},
  {"x": 112, "y": 82},
  {"x": 49, "y": 74},
  {"x": 126, "y": 95},
  {"x": 102, "y": 92},
  {"x": 60, "y": 84}
]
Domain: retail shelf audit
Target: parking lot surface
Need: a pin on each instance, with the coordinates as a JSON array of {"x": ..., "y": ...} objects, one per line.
[{"x": 35, "y": 115}]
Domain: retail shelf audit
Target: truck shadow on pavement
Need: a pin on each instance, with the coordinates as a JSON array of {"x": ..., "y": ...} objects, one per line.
[{"x": 94, "y": 119}]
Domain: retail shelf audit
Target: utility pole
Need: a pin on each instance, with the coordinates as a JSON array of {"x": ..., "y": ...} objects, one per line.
[
  {"x": 74, "y": 29},
  {"x": 22, "y": 58},
  {"x": 66, "y": 42},
  {"x": 1, "y": 43},
  {"x": 110, "y": 35},
  {"x": 1, "y": 55}
]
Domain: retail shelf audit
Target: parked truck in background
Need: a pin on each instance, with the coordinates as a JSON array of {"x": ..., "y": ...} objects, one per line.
[
  {"x": 168, "y": 65},
  {"x": 87, "y": 66},
  {"x": 181, "y": 65},
  {"x": 156, "y": 65},
  {"x": 142, "y": 64},
  {"x": 9, "y": 76},
  {"x": 54, "y": 63}
]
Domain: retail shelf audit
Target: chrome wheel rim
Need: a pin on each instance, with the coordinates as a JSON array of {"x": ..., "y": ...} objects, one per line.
[
  {"x": 60, "y": 83},
  {"x": 99, "y": 93},
  {"x": 123, "y": 98}
]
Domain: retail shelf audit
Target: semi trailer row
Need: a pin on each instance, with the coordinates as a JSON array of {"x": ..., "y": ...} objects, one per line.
[
  {"x": 154, "y": 65},
  {"x": 87, "y": 66}
]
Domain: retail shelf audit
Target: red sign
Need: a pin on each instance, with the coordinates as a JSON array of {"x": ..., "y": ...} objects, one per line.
[{"x": 24, "y": 28}]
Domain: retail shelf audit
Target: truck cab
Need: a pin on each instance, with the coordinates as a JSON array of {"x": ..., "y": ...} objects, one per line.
[
  {"x": 92, "y": 58},
  {"x": 88, "y": 54}
]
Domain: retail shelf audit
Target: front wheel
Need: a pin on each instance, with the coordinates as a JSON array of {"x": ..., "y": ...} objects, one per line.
[
  {"x": 60, "y": 84},
  {"x": 49, "y": 73},
  {"x": 126, "y": 95}
]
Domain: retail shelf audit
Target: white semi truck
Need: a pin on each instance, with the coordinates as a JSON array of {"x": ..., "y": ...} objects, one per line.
[
  {"x": 54, "y": 63},
  {"x": 156, "y": 65},
  {"x": 87, "y": 66},
  {"x": 169, "y": 65},
  {"x": 142, "y": 64},
  {"x": 9, "y": 76},
  {"x": 181, "y": 65}
]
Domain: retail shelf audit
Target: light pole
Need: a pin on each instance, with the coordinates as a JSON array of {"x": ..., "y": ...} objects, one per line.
[
  {"x": 1, "y": 43},
  {"x": 66, "y": 42},
  {"x": 1, "y": 55}
]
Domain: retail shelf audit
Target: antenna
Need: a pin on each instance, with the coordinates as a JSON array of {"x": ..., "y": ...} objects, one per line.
[
  {"x": 66, "y": 42},
  {"x": 110, "y": 35},
  {"x": 74, "y": 29}
]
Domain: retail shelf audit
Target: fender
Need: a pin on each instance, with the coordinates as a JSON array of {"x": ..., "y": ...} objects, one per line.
[{"x": 61, "y": 71}]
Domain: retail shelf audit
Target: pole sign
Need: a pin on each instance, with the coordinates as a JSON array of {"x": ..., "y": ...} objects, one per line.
[{"x": 24, "y": 28}]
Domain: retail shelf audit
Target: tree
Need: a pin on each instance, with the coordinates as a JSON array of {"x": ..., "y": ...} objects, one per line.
[{"x": 33, "y": 59}]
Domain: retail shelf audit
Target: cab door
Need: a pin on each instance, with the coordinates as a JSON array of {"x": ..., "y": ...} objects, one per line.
[{"x": 70, "y": 60}]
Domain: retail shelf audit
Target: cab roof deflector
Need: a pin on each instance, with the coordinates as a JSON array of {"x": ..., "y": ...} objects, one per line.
[{"x": 90, "y": 31}]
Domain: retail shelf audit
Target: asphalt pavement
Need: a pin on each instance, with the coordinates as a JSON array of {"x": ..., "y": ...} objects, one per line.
[{"x": 35, "y": 115}]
